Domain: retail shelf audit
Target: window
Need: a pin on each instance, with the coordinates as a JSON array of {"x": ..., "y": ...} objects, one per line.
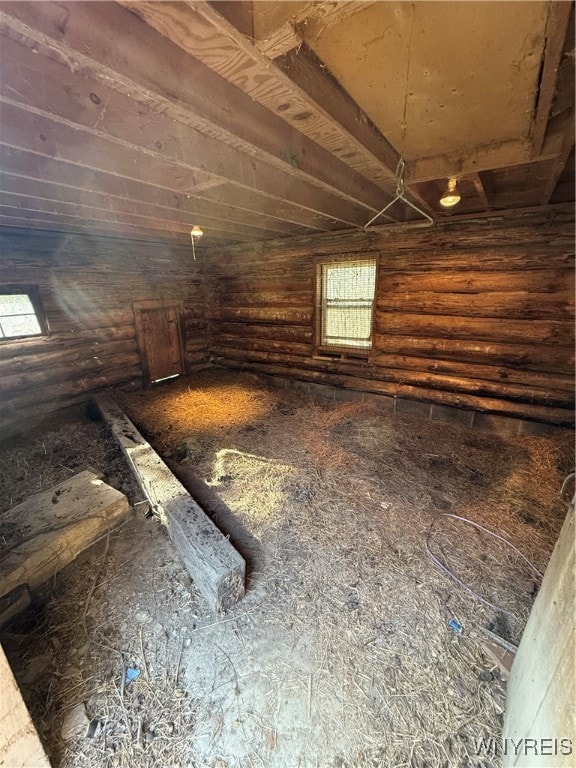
[
  {"x": 345, "y": 293},
  {"x": 20, "y": 313}
]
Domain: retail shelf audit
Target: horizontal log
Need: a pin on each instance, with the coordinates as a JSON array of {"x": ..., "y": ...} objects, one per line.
[
  {"x": 241, "y": 347},
  {"x": 22, "y": 349},
  {"x": 253, "y": 298},
  {"x": 67, "y": 356},
  {"x": 285, "y": 257},
  {"x": 78, "y": 369},
  {"x": 491, "y": 329},
  {"x": 63, "y": 320},
  {"x": 239, "y": 284},
  {"x": 23, "y": 418},
  {"x": 518, "y": 304},
  {"x": 538, "y": 357},
  {"x": 242, "y": 342},
  {"x": 60, "y": 393},
  {"x": 543, "y": 280},
  {"x": 550, "y": 381},
  {"x": 301, "y": 333},
  {"x": 549, "y": 415},
  {"x": 287, "y": 315},
  {"x": 494, "y": 242},
  {"x": 422, "y": 379}
]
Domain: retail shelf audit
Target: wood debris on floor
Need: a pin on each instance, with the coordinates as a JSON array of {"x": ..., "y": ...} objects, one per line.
[
  {"x": 43, "y": 534},
  {"x": 217, "y": 568}
]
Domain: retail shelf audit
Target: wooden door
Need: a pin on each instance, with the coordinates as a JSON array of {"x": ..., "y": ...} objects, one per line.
[{"x": 159, "y": 339}]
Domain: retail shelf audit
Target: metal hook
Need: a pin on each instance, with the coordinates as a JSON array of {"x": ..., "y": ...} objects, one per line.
[{"x": 400, "y": 195}]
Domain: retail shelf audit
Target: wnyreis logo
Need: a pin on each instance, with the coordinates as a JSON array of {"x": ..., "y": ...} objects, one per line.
[{"x": 492, "y": 747}]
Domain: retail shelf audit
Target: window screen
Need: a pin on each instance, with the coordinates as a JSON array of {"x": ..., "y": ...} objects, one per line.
[
  {"x": 18, "y": 316},
  {"x": 348, "y": 289}
]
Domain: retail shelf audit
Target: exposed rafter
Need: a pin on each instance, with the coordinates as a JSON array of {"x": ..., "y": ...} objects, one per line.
[
  {"x": 213, "y": 107},
  {"x": 201, "y": 31},
  {"x": 556, "y": 28},
  {"x": 559, "y": 164}
]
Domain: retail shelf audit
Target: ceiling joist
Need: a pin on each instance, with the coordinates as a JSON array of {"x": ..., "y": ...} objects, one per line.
[
  {"x": 556, "y": 29},
  {"x": 264, "y": 136},
  {"x": 202, "y": 32}
]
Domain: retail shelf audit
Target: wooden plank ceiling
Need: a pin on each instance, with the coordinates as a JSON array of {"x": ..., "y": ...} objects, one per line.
[{"x": 259, "y": 120}]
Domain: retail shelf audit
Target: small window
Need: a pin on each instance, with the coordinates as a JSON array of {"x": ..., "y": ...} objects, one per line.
[
  {"x": 20, "y": 313},
  {"x": 345, "y": 294}
]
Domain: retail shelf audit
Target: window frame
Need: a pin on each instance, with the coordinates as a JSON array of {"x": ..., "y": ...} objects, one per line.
[
  {"x": 328, "y": 351},
  {"x": 33, "y": 294}
]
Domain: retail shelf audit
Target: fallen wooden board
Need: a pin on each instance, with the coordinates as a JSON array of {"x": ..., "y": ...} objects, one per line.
[
  {"x": 20, "y": 746},
  {"x": 216, "y": 568},
  {"x": 47, "y": 531}
]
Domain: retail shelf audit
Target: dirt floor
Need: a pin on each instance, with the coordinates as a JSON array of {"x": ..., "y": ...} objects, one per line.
[{"x": 340, "y": 655}]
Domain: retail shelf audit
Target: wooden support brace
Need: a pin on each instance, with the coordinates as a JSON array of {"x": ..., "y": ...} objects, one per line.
[{"x": 218, "y": 571}]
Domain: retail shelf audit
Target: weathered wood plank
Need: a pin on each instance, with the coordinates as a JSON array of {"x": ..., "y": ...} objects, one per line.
[
  {"x": 20, "y": 746},
  {"x": 46, "y": 532},
  {"x": 212, "y": 562},
  {"x": 542, "y": 686}
]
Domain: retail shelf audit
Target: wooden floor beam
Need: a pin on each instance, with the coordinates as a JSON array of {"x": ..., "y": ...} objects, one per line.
[{"x": 215, "y": 567}]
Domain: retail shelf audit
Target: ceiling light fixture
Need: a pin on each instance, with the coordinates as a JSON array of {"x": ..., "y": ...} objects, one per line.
[
  {"x": 451, "y": 196},
  {"x": 195, "y": 234}
]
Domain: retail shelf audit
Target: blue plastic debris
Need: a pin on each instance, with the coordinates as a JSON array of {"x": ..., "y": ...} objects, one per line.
[
  {"x": 456, "y": 626},
  {"x": 131, "y": 674}
]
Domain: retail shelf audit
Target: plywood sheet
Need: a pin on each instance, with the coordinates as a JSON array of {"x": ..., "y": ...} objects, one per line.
[{"x": 439, "y": 77}]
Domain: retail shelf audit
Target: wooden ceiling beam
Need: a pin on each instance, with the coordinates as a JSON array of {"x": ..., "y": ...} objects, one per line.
[
  {"x": 120, "y": 211},
  {"x": 25, "y": 173},
  {"x": 556, "y": 29},
  {"x": 18, "y": 205},
  {"x": 28, "y": 221},
  {"x": 155, "y": 186},
  {"x": 245, "y": 131},
  {"x": 120, "y": 124},
  {"x": 288, "y": 30},
  {"x": 486, "y": 158},
  {"x": 307, "y": 72},
  {"x": 558, "y": 165},
  {"x": 476, "y": 179},
  {"x": 205, "y": 34}
]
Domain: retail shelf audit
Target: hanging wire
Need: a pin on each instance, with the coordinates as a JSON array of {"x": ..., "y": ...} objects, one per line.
[{"x": 400, "y": 195}]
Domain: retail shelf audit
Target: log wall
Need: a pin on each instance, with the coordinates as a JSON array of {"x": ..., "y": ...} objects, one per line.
[
  {"x": 87, "y": 286},
  {"x": 477, "y": 315}
]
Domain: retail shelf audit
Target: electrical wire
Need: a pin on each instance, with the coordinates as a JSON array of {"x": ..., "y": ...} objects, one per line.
[{"x": 439, "y": 564}]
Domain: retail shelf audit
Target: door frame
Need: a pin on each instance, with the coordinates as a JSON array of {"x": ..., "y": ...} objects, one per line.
[{"x": 137, "y": 306}]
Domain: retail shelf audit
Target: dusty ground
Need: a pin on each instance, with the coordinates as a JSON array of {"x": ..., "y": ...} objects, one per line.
[{"x": 340, "y": 654}]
